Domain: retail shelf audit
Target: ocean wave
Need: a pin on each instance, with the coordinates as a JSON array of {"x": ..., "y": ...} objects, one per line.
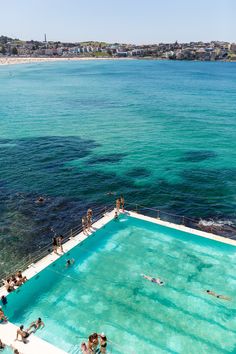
[{"x": 216, "y": 223}]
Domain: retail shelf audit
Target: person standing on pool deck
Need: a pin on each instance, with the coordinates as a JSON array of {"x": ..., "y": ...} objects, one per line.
[
  {"x": 84, "y": 224},
  {"x": 122, "y": 201},
  {"x": 118, "y": 205},
  {"x": 59, "y": 243},
  {"x": 54, "y": 244},
  {"x": 89, "y": 218}
]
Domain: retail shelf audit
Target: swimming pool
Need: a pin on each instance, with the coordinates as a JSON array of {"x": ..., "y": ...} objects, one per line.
[
  {"x": 6, "y": 350},
  {"x": 104, "y": 292}
]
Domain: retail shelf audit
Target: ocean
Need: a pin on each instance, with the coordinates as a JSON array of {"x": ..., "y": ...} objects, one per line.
[{"x": 162, "y": 133}]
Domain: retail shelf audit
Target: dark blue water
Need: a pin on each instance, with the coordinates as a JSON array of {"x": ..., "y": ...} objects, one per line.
[{"x": 160, "y": 132}]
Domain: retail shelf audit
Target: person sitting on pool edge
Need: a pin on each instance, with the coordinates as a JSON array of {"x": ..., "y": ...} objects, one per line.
[
  {"x": 3, "y": 318},
  {"x": 153, "y": 280},
  {"x": 36, "y": 325},
  {"x": 222, "y": 297},
  {"x": 2, "y": 346},
  {"x": 24, "y": 334},
  {"x": 4, "y": 300}
]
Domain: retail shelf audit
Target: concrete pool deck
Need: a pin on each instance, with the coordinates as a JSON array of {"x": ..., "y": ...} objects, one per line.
[{"x": 37, "y": 345}]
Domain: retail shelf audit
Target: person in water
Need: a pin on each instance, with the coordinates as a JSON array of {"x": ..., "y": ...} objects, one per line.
[
  {"x": 89, "y": 218},
  {"x": 70, "y": 262},
  {"x": 222, "y": 297},
  {"x": 36, "y": 325},
  {"x": 116, "y": 216},
  {"x": 103, "y": 343},
  {"x": 92, "y": 343},
  {"x": 110, "y": 193},
  {"x": 40, "y": 200},
  {"x": 153, "y": 280}
]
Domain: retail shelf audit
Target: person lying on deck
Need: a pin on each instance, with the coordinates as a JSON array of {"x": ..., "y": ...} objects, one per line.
[
  {"x": 153, "y": 280},
  {"x": 222, "y": 297}
]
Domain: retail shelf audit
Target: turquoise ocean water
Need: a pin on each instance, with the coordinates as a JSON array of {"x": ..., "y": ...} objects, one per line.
[
  {"x": 104, "y": 292},
  {"x": 160, "y": 132}
]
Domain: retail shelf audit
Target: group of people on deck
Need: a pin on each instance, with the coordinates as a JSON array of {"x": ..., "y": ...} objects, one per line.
[
  {"x": 97, "y": 343},
  {"x": 14, "y": 281},
  {"x": 87, "y": 221}
]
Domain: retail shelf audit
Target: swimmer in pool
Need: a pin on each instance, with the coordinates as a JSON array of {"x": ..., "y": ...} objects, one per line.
[
  {"x": 36, "y": 325},
  {"x": 222, "y": 297},
  {"x": 153, "y": 280},
  {"x": 70, "y": 262}
]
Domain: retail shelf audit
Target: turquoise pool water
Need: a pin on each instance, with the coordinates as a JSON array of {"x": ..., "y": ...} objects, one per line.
[
  {"x": 160, "y": 132},
  {"x": 104, "y": 291},
  {"x": 6, "y": 350}
]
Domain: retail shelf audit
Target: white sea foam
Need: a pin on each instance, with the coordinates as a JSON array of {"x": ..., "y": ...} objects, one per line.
[{"x": 215, "y": 223}]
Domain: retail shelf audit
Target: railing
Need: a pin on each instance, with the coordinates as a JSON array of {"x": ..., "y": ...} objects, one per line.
[
  {"x": 43, "y": 251},
  {"x": 211, "y": 226}
]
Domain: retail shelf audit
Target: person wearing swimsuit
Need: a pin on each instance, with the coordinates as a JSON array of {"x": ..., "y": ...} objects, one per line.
[
  {"x": 36, "y": 325},
  {"x": 103, "y": 343},
  {"x": 222, "y": 297},
  {"x": 153, "y": 280},
  {"x": 54, "y": 244},
  {"x": 22, "y": 333}
]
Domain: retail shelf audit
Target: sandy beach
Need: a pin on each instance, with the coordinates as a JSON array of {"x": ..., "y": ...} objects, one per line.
[{"x": 31, "y": 60}]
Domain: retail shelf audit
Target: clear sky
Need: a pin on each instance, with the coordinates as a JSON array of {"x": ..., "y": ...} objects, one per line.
[{"x": 130, "y": 21}]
